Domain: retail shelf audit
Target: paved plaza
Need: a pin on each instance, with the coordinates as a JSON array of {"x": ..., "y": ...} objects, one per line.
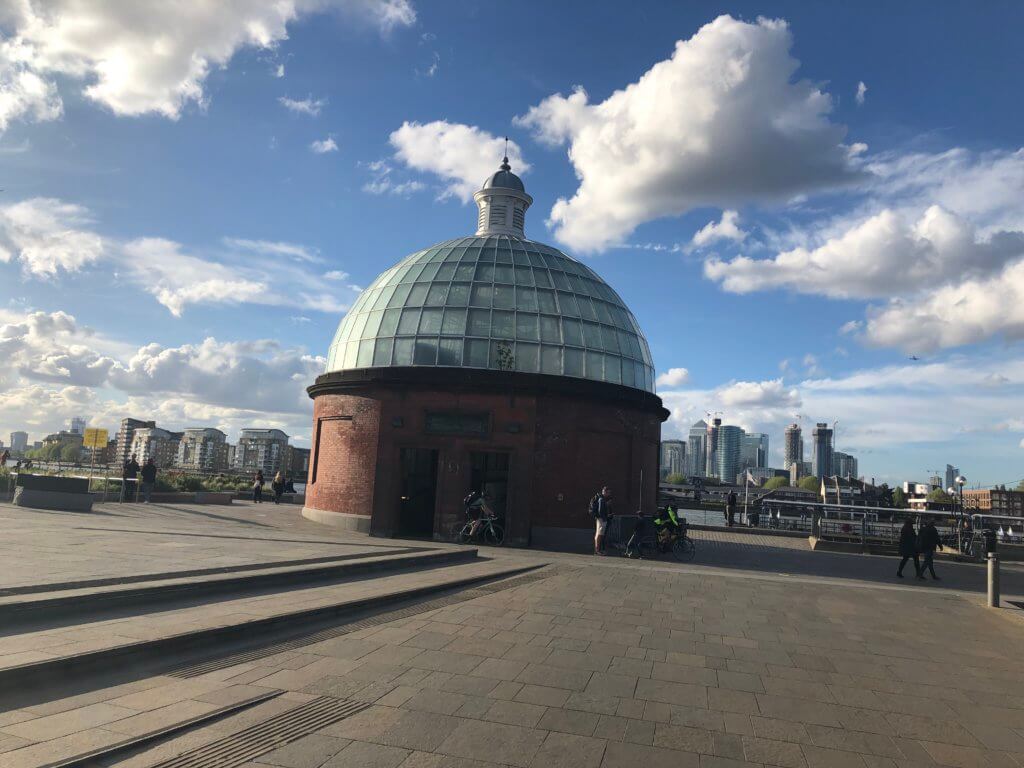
[{"x": 760, "y": 652}]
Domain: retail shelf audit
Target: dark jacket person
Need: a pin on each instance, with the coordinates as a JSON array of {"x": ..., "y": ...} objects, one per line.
[
  {"x": 929, "y": 541},
  {"x": 908, "y": 548}
]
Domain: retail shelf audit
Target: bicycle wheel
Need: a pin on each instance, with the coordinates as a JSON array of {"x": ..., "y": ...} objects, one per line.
[
  {"x": 465, "y": 536},
  {"x": 683, "y": 549},
  {"x": 494, "y": 535}
]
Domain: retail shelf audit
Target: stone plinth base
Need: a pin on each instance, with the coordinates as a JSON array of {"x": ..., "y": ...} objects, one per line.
[
  {"x": 55, "y": 500},
  {"x": 360, "y": 523}
]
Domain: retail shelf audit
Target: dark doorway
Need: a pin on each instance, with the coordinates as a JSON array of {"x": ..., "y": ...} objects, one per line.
[
  {"x": 489, "y": 475},
  {"x": 418, "y": 467}
]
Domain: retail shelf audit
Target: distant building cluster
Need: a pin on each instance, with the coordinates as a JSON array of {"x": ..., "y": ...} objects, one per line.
[{"x": 196, "y": 449}]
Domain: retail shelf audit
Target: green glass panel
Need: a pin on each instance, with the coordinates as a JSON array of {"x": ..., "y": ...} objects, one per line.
[
  {"x": 476, "y": 352},
  {"x": 400, "y": 295},
  {"x": 403, "y": 352},
  {"x": 426, "y": 352},
  {"x": 546, "y": 302},
  {"x": 458, "y": 295},
  {"x": 485, "y": 273},
  {"x": 527, "y": 357},
  {"x": 503, "y": 356},
  {"x": 449, "y": 352},
  {"x": 586, "y": 308},
  {"x": 503, "y": 273},
  {"x": 551, "y": 360},
  {"x": 481, "y": 295},
  {"x": 382, "y": 352},
  {"x": 502, "y": 324},
  {"x": 560, "y": 281},
  {"x": 465, "y": 272},
  {"x": 409, "y": 321},
  {"x": 573, "y": 362},
  {"x": 444, "y": 273},
  {"x": 427, "y": 275},
  {"x": 414, "y": 272},
  {"x": 365, "y": 359},
  {"x": 372, "y": 324},
  {"x": 472, "y": 255},
  {"x": 524, "y": 276},
  {"x": 611, "y": 339},
  {"x": 357, "y": 326},
  {"x": 436, "y": 295},
  {"x": 526, "y": 326},
  {"x": 454, "y": 322},
  {"x": 526, "y": 299},
  {"x": 612, "y": 369},
  {"x": 520, "y": 257},
  {"x": 504, "y": 297},
  {"x": 351, "y": 353},
  {"x": 595, "y": 366},
  {"x": 430, "y": 322},
  {"x": 542, "y": 277},
  {"x": 383, "y": 295},
  {"x": 479, "y": 322},
  {"x": 549, "y": 329},
  {"x": 573, "y": 331},
  {"x": 592, "y": 336},
  {"x": 417, "y": 295}
]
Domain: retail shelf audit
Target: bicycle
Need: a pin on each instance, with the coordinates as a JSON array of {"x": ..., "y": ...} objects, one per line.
[
  {"x": 489, "y": 532},
  {"x": 677, "y": 541}
]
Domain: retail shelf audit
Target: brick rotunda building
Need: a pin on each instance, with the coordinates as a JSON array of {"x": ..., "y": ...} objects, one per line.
[{"x": 490, "y": 362}]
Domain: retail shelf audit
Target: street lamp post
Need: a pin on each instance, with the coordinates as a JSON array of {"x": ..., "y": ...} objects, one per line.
[{"x": 960, "y": 480}]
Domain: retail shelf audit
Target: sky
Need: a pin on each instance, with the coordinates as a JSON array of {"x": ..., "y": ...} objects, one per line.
[{"x": 813, "y": 210}]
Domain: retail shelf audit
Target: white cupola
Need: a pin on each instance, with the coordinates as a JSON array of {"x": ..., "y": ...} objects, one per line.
[{"x": 502, "y": 204}]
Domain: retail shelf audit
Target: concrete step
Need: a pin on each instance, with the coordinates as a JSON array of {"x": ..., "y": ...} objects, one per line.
[
  {"x": 43, "y": 658},
  {"x": 20, "y": 612}
]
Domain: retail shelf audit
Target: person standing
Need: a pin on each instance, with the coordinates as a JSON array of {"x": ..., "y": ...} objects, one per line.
[
  {"x": 601, "y": 511},
  {"x": 4, "y": 457},
  {"x": 908, "y": 548},
  {"x": 148, "y": 479},
  {"x": 730, "y": 508},
  {"x": 257, "y": 487},
  {"x": 278, "y": 487},
  {"x": 930, "y": 540},
  {"x": 129, "y": 473}
]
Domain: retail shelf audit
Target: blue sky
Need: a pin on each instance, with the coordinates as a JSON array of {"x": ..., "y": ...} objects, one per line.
[{"x": 173, "y": 244}]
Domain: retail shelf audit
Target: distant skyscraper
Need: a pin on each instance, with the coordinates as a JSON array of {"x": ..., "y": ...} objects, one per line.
[
  {"x": 793, "y": 450},
  {"x": 822, "y": 458},
  {"x": 19, "y": 442},
  {"x": 673, "y": 456},
  {"x": 951, "y": 475},
  {"x": 77, "y": 425},
  {"x": 753, "y": 450},
  {"x": 711, "y": 448},
  {"x": 727, "y": 455},
  {"x": 695, "y": 459},
  {"x": 844, "y": 465}
]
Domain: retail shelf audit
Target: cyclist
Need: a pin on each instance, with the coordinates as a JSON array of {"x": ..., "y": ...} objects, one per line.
[
  {"x": 477, "y": 508},
  {"x": 667, "y": 525}
]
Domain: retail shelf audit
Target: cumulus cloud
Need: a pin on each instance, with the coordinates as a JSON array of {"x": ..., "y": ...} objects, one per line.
[
  {"x": 862, "y": 91},
  {"x": 719, "y": 123},
  {"x": 673, "y": 377},
  {"x": 462, "y": 155},
  {"x": 145, "y": 56},
  {"x": 952, "y": 315},
  {"x": 48, "y": 236},
  {"x": 307, "y": 106},
  {"x": 727, "y": 228},
  {"x": 55, "y": 368},
  {"x": 765, "y": 394},
  {"x": 886, "y": 254},
  {"x": 323, "y": 146}
]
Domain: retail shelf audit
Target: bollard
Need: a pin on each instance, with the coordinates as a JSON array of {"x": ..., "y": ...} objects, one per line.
[{"x": 993, "y": 580}]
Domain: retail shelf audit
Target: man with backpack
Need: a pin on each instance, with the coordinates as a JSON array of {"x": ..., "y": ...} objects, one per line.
[{"x": 600, "y": 510}]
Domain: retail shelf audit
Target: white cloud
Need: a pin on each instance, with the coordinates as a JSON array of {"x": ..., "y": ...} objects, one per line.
[
  {"x": 673, "y": 377},
  {"x": 276, "y": 248},
  {"x": 279, "y": 72},
  {"x": 719, "y": 123},
  {"x": 384, "y": 183},
  {"x": 811, "y": 365},
  {"x": 727, "y": 228},
  {"x": 861, "y": 92},
  {"x": 55, "y": 368},
  {"x": 307, "y": 106},
  {"x": 146, "y": 56},
  {"x": 851, "y": 326},
  {"x": 323, "y": 146},
  {"x": 764, "y": 394},
  {"x": 884, "y": 255},
  {"x": 956, "y": 314},
  {"x": 48, "y": 236},
  {"x": 462, "y": 155}
]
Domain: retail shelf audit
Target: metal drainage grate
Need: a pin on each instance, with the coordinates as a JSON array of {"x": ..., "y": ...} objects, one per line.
[
  {"x": 273, "y": 733},
  {"x": 195, "y": 670}
]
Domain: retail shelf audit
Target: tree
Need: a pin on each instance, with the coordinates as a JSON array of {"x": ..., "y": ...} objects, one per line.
[
  {"x": 811, "y": 484},
  {"x": 899, "y": 498},
  {"x": 69, "y": 452},
  {"x": 776, "y": 482},
  {"x": 940, "y": 496},
  {"x": 675, "y": 479}
]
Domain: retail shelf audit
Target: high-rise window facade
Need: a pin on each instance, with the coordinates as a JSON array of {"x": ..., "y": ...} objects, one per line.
[{"x": 821, "y": 462}]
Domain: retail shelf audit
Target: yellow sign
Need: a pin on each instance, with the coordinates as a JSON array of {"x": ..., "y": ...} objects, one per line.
[{"x": 95, "y": 438}]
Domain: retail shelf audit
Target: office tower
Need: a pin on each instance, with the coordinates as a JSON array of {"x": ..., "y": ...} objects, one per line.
[
  {"x": 673, "y": 455},
  {"x": 203, "y": 449},
  {"x": 793, "y": 449},
  {"x": 952, "y": 473},
  {"x": 844, "y": 465},
  {"x": 264, "y": 449},
  {"x": 727, "y": 454},
  {"x": 19, "y": 442},
  {"x": 77, "y": 425},
  {"x": 126, "y": 434},
  {"x": 822, "y": 458},
  {"x": 753, "y": 450},
  {"x": 695, "y": 461},
  {"x": 711, "y": 448}
]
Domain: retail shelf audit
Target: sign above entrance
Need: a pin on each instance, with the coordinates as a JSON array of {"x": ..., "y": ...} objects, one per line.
[{"x": 449, "y": 423}]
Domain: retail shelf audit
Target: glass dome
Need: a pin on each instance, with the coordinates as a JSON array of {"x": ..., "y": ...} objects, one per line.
[{"x": 498, "y": 302}]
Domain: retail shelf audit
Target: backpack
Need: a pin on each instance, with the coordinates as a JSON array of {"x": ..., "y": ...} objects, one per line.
[
  {"x": 595, "y": 506},
  {"x": 470, "y": 498}
]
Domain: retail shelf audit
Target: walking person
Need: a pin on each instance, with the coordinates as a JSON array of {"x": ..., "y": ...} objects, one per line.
[
  {"x": 129, "y": 473},
  {"x": 148, "y": 480},
  {"x": 929, "y": 541},
  {"x": 278, "y": 487},
  {"x": 257, "y": 487},
  {"x": 601, "y": 511},
  {"x": 730, "y": 509},
  {"x": 908, "y": 548}
]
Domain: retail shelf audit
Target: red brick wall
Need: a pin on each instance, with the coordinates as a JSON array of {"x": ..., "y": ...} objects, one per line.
[{"x": 562, "y": 450}]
